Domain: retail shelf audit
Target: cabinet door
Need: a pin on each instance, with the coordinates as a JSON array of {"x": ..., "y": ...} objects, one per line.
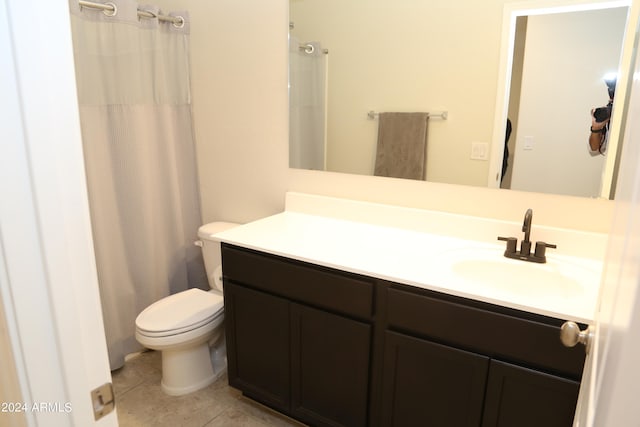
[
  {"x": 329, "y": 368},
  {"x": 257, "y": 330},
  {"x": 522, "y": 397},
  {"x": 428, "y": 384}
]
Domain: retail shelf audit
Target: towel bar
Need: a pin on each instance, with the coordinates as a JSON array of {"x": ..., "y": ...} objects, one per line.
[{"x": 371, "y": 115}]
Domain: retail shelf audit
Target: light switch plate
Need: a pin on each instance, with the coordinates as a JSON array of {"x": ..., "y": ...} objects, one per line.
[
  {"x": 527, "y": 143},
  {"x": 479, "y": 150}
]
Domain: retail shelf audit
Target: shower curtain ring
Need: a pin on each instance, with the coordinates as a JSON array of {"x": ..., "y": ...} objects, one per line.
[
  {"x": 179, "y": 24},
  {"x": 111, "y": 12}
]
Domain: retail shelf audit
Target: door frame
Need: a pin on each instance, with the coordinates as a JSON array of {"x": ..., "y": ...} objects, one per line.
[
  {"x": 48, "y": 281},
  {"x": 610, "y": 397}
]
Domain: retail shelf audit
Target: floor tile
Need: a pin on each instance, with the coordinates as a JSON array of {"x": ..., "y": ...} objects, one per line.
[
  {"x": 140, "y": 401},
  {"x": 141, "y": 368}
]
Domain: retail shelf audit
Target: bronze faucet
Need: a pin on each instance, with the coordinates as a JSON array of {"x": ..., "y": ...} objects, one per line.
[{"x": 524, "y": 253}]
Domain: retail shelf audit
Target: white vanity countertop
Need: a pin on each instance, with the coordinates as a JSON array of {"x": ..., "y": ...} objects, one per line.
[{"x": 467, "y": 268}]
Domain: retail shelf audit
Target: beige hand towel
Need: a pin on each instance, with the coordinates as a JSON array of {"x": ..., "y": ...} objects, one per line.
[{"x": 402, "y": 145}]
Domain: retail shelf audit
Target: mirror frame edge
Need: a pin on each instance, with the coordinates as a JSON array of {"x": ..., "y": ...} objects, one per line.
[{"x": 627, "y": 60}]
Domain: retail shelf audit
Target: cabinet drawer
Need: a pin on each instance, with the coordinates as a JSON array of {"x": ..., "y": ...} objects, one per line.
[
  {"x": 530, "y": 342},
  {"x": 317, "y": 286}
]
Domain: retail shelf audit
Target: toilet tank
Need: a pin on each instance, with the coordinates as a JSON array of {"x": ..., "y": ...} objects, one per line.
[{"x": 211, "y": 251}]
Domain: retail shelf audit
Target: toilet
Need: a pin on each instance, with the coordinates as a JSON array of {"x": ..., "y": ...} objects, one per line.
[{"x": 187, "y": 327}]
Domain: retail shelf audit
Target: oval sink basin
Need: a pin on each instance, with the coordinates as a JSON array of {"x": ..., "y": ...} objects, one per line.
[{"x": 558, "y": 277}]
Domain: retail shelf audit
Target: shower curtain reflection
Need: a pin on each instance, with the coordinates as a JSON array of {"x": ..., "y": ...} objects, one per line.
[
  {"x": 307, "y": 104},
  {"x": 133, "y": 90}
]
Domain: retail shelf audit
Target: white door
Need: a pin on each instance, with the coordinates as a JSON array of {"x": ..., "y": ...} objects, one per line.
[
  {"x": 48, "y": 282},
  {"x": 611, "y": 384}
]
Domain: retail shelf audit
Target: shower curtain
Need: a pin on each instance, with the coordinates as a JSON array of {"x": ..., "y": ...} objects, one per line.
[
  {"x": 133, "y": 89},
  {"x": 307, "y": 104}
]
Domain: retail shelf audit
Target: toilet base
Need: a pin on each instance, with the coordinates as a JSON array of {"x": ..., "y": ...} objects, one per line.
[{"x": 187, "y": 369}]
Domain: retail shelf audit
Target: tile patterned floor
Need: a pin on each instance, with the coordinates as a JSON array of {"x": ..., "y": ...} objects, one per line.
[{"x": 140, "y": 401}]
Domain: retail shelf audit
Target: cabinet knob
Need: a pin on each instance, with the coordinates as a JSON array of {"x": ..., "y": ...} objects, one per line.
[{"x": 570, "y": 335}]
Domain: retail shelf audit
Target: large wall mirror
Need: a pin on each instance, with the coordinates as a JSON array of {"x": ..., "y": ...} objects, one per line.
[{"x": 351, "y": 61}]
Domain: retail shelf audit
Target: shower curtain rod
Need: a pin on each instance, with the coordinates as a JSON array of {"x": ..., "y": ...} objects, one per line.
[
  {"x": 371, "y": 115},
  {"x": 110, "y": 9},
  {"x": 309, "y": 48}
]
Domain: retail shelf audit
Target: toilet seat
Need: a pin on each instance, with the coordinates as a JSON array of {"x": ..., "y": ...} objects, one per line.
[{"x": 180, "y": 313}]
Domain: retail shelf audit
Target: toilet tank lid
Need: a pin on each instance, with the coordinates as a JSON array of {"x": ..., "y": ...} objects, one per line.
[{"x": 208, "y": 230}]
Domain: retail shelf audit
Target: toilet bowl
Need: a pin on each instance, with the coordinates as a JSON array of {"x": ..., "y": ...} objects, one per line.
[{"x": 187, "y": 327}]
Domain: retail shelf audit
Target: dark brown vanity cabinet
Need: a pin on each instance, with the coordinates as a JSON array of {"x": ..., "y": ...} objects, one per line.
[
  {"x": 428, "y": 384},
  {"x": 258, "y": 342},
  {"x": 330, "y": 368},
  {"x": 337, "y": 349},
  {"x": 299, "y": 338},
  {"x": 528, "y": 398},
  {"x": 452, "y": 362}
]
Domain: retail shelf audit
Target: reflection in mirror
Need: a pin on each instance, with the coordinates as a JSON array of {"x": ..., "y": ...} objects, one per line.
[
  {"x": 407, "y": 56},
  {"x": 307, "y": 103},
  {"x": 559, "y": 65}
]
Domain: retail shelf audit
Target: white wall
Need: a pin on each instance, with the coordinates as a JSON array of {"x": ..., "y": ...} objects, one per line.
[
  {"x": 577, "y": 48},
  {"x": 239, "y": 58},
  {"x": 239, "y": 80}
]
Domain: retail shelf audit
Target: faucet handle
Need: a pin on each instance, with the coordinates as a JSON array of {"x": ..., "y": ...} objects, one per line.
[
  {"x": 541, "y": 248},
  {"x": 512, "y": 244}
]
